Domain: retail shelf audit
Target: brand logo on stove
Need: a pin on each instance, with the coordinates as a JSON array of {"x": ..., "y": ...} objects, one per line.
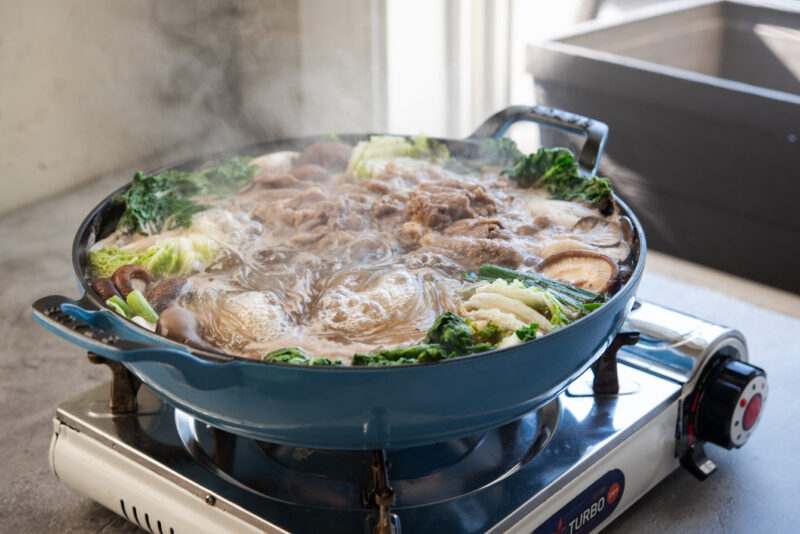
[{"x": 586, "y": 511}]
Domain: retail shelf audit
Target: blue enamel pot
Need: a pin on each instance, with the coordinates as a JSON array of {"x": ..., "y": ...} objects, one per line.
[{"x": 352, "y": 408}]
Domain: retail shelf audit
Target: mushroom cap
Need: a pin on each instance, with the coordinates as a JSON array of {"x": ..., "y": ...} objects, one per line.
[
  {"x": 165, "y": 292},
  {"x": 582, "y": 268},
  {"x": 598, "y": 231},
  {"x": 104, "y": 287},
  {"x": 123, "y": 278}
]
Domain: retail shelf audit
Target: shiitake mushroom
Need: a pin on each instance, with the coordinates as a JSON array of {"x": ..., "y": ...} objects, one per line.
[
  {"x": 179, "y": 324},
  {"x": 165, "y": 292},
  {"x": 582, "y": 268},
  {"x": 598, "y": 231},
  {"x": 124, "y": 276},
  {"x": 105, "y": 288}
]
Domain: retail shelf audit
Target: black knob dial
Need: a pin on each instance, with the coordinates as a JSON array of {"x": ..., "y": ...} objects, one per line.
[{"x": 730, "y": 403}]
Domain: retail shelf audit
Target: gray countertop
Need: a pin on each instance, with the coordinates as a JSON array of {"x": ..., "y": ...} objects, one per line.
[{"x": 753, "y": 490}]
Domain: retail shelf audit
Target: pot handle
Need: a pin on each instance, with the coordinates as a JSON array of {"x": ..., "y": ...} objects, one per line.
[
  {"x": 107, "y": 334},
  {"x": 596, "y": 132}
]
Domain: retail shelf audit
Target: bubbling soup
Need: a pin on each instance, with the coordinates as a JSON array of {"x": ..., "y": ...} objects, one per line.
[{"x": 337, "y": 251}]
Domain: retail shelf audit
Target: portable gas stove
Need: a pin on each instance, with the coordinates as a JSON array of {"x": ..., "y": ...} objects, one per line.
[{"x": 675, "y": 383}]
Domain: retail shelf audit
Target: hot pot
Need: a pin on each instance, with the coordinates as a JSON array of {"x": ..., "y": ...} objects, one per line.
[{"x": 351, "y": 408}]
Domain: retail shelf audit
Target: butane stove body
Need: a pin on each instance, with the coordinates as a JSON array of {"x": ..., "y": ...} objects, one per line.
[{"x": 572, "y": 466}]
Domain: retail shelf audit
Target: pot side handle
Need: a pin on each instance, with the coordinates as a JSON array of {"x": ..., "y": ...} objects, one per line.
[
  {"x": 105, "y": 333},
  {"x": 596, "y": 132}
]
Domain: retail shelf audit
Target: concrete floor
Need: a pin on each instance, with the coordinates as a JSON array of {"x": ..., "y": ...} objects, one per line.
[{"x": 754, "y": 488}]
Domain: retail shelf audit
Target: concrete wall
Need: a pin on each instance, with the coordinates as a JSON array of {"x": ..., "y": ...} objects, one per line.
[{"x": 97, "y": 86}]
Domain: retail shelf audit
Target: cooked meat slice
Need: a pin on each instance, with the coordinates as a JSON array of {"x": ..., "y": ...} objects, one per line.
[
  {"x": 410, "y": 233},
  {"x": 386, "y": 205},
  {"x": 375, "y": 186},
  {"x": 305, "y": 220},
  {"x": 308, "y": 238},
  {"x": 483, "y": 228},
  {"x": 353, "y": 221},
  {"x": 481, "y": 202},
  {"x": 309, "y": 196},
  {"x": 472, "y": 252},
  {"x": 310, "y": 173},
  {"x": 438, "y": 210},
  {"x": 279, "y": 182}
]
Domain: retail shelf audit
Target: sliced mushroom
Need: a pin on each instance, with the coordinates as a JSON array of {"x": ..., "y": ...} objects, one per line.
[
  {"x": 589, "y": 270},
  {"x": 163, "y": 294},
  {"x": 626, "y": 227},
  {"x": 598, "y": 231},
  {"x": 181, "y": 325},
  {"x": 124, "y": 277},
  {"x": 104, "y": 287}
]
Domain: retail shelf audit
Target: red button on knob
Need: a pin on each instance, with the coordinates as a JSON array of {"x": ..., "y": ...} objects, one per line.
[{"x": 751, "y": 412}]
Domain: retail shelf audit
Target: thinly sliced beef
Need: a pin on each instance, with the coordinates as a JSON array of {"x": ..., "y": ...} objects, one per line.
[
  {"x": 279, "y": 182},
  {"x": 438, "y": 210},
  {"x": 472, "y": 252},
  {"x": 386, "y": 205},
  {"x": 438, "y": 205},
  {"x": 410, "y": 233},
  {"x": 482, "y": 228},
  {"x": 309, "y": 196}
]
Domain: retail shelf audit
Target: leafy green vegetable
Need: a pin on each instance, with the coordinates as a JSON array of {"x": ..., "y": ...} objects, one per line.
[
  {"x": 483, "y": 347},
  {"x": 168, "y": 256},
  {"x": 413, "y": 354},
  {"x": 425, "y": 147},
  {"x": 556, "y": 170},
  {"x": 151, "y": 201},
  {"x": 139, "y": 306},
  {"x": 452, "y": 333},
  {"x": 546, "y": 165},
  {"x": 529, "y": 332},
  {"x": 490, "y": 335},
  {"x": 450, "y": 336},
  {"x": 297, "y": 357},
  {"x": 103, "y": 262},
  {"x": 370, "y": 157},
  {"x": 565, "y": 302},
  {"x": 500, "y": 152},
  {"x": 557, "y": 316},
  {"x": 163, "y": 200}
]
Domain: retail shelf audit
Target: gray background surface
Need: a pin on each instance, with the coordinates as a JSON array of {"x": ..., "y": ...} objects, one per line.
[{"x": 754, "y": 489}]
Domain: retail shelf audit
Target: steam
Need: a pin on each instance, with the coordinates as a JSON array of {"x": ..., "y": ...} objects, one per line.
[{"x": 252, "y": 71}]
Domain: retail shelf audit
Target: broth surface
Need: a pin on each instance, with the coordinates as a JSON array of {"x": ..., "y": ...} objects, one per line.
[{"x": 335, "y": 265}]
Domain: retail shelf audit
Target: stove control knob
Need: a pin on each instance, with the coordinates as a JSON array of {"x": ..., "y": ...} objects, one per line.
[{"x": 730, "y": 403}]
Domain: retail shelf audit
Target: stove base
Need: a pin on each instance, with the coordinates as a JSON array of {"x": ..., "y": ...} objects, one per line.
[{"x": 136, "y": 465}]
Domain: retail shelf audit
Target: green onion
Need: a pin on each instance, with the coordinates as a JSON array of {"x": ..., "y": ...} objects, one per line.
[
  {"x": 495, "y": 271},
  {"x": 120, "y": 306},
  {"x": 139, "y": 306}
]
